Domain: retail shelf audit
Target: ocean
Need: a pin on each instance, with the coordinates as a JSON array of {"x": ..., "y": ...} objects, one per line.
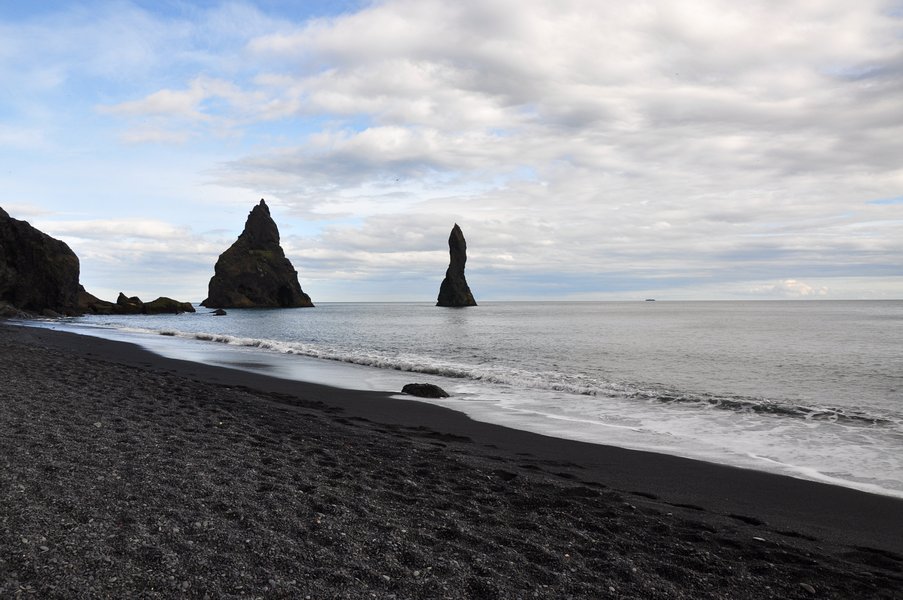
[{"x": 811, "y": 389}]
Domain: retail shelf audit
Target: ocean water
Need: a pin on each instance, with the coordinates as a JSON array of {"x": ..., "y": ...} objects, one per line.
[{"x": 812, "y": 389}]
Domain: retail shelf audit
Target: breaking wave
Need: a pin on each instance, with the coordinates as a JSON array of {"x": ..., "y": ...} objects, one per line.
[{"x": 548, "y": 381}]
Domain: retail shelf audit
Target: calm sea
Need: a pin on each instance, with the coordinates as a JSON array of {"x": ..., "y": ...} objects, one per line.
[{"x": 812, "y": 389}]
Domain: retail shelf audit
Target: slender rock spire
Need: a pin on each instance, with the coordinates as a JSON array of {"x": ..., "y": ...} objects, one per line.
[{"x": 454, "y": 291}]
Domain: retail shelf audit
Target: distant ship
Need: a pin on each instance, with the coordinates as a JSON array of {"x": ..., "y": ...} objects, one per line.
[{"x": 650, "y": 299}]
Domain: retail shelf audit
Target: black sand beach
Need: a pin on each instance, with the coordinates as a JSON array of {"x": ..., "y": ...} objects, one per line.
[{"x": 124, "y": 474}]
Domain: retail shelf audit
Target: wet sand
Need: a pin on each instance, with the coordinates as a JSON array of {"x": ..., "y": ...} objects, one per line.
[{"x": 125, "y": 474}]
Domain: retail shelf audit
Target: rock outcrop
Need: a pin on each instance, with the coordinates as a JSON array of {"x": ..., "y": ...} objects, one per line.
[
  {"x": 254, "y": 272},
  {"x": 454, "y": 291},
  {"x": 8, "y": 311},
  {"x": 166, "y": 305},
  {"x": 128, "y": 306},
  {"x": 39, "y": 275},
  {"x": 424, "y": 390},
  {"x": 87, "y": 303},
  {"x": 37, "y": 272}
]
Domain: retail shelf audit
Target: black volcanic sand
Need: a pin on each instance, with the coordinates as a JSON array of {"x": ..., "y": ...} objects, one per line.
[{"x": 124, "y": 474}]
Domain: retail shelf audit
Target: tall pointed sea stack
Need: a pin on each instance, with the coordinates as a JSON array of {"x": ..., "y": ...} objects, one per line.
[
  {"x": 254, "y": 272},
  {"x": 454, "y": 290}
]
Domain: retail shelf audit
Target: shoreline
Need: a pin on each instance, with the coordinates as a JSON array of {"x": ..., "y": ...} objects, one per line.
[
  {"x": 757, "y": 416},
  {"x": 336, "y": 383},
  {"x": 729, "y": 509}
]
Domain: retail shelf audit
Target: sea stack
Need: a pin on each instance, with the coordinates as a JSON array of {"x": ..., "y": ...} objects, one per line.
[
  {"x": 38, "y": 273},
  {"x": 254, "y": 272},
  {"x": 454, "y": 291}
]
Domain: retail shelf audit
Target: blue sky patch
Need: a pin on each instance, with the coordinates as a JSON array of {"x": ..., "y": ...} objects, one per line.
[{"x": 886, "y": 201}]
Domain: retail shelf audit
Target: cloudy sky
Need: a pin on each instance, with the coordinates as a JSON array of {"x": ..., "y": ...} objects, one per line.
[{"x": 700, "y": 149}]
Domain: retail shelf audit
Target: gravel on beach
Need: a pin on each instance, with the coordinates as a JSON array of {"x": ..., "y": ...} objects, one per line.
[{"x": 131, "y": 481}]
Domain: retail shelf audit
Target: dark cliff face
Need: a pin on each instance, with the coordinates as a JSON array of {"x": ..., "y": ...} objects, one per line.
[
  {"x": 37, "y": 272},
  {"x": 454, "y": 291},
  {"x": 254, "y": 271}
]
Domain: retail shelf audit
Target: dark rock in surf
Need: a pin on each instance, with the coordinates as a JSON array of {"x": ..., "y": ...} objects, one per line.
[
  {"x": 37, "y": 272},
  {"x": 454, "y": 291},
  {"x": 167, "y": 305},
  {"x": 219, "y": 312},
  {"x": 134, "y": 306},
  {"x": 424, "y": 390},
  {"x": 254, "y": 272}
]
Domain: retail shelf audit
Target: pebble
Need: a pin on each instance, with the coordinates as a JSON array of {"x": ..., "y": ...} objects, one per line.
[
  {"x": 98, "y": 424},
  {"x": 43, "y": 548},
  {"x": 808, "y": 588}
]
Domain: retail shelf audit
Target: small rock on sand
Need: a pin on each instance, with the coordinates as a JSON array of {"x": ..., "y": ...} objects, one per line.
[{"x": 424, "y": 390}]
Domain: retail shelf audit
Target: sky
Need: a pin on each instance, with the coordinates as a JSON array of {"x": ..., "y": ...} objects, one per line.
[{"x": 589, "y": 150}]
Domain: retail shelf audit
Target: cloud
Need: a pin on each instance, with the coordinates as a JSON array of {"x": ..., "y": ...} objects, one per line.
[
  {"x": 790, "y": 288},
  {"x": 205, "y": 100},
  {"x": 105, "y": 229},
  {"x": 183, "y": 104},
  {"x": 155, "y": 136},
  {"x": 474, "y": 88},
  {"x": 602, "y": 144},
  {"x": 25, "y": 211}
]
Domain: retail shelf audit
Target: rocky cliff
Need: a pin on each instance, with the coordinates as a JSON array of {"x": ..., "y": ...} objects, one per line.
[
  {"x": 454, "y": 290},
  {"x": 254, "y": 271},
  {"x": 87, "y": 303},
  {"x": 37, "y": 272}
]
